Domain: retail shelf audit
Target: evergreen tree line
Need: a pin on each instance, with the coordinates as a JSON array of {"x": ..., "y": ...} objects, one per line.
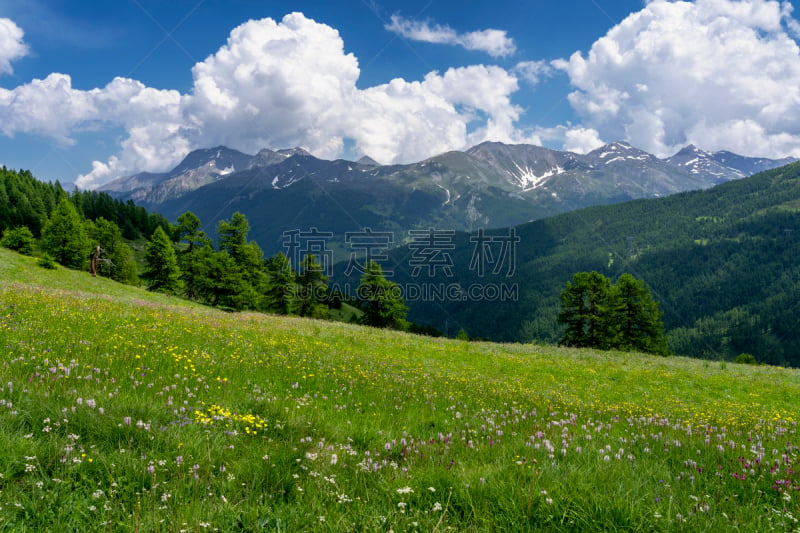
[
  {"x": 602, "y": 315},
  {"x": 134, "y": 221},
  {"x": 28, "y": 202},
  {"x": 237, "y": 276}
]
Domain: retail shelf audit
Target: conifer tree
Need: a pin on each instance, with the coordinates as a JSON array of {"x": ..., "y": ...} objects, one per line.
[
  {"x": 637, "y": 317},
  {"x": 194, "y": 260},
  {"x": 310, "y": 290},
  {"x": 280, "y": 285},
  {"x": 233, "y": 236},
  {"x": 622, "y": 316},
  {"x": 64, "y": 236},
  {"x": 246, "y": 273},
  {"x": 162, "y": 273},
  {"x": 585, "y": 311},
  {"x": 383, "y": 304},
  {"x": 189, "y": 230}
]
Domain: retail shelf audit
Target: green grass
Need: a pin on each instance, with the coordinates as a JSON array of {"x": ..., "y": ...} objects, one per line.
[{"x": 122, "y": 410}]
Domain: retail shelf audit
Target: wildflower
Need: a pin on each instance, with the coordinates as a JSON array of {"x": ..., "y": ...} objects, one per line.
[
  {"x": 437, "y": 507},
  {"x": 405, "y": 490}
]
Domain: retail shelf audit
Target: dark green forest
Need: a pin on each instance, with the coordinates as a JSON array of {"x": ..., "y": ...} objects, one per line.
[
  {"x": 26, "y": 201},
  {"x": 723, "y": 265}
]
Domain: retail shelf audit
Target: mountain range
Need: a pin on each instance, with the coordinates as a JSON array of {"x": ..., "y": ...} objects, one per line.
[{"x": 490, "y": 185}]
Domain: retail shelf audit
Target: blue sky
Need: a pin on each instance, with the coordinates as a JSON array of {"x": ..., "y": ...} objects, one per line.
[{"x": 94, "y": 90}]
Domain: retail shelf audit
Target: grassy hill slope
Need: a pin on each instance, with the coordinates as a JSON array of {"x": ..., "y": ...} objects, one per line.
[{"x": 123, "y": 410}]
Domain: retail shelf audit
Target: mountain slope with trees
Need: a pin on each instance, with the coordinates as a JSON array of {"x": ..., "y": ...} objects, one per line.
[{"x": 723, "y": 264}]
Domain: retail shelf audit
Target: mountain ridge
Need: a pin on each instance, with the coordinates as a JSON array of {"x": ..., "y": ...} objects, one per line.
[{"x": 489, "y": 185}]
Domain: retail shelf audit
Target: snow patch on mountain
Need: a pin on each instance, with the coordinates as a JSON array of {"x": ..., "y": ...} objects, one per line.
[{"x": 527, "y": 178}]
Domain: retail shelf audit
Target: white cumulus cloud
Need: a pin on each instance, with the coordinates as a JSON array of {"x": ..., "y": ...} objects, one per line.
[
  {"x": 720, "y": 74},
  {"x": 496, "y": 43},
  {"x": 278, "y": 84},
  {"x": 272, "y": 84},
  {"x": 52, "y": 108},
  {"x": 12, "y": 46}
]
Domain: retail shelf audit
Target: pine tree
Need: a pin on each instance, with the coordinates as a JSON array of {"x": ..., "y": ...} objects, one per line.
[
  {"x": 162, "y": 273},
  {"x": 194, "y": 260},
  {"x": 637, "y": 317},
  {"x": 280, "y": 285},
  {"x": 189, "y": 230},
  {"x": 585, "y": 311},
  {"x": 233, "y": 236},
  {"x": 621, "y": 316},
  {"x": 64, "y": 236},
  {"x": 229, "y": 288},
  {"x": 248, "y": 259},
  {"x": 383, "y": 304},
  {"x": 310, "y": 290}
]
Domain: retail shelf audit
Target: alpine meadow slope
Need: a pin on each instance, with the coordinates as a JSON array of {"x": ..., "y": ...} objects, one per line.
[{"x": 124, "y": 409}]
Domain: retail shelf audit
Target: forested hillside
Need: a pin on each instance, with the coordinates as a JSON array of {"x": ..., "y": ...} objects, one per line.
[
  {"x": 26, "y": 201},
  {"x": 723, "y": 264}
]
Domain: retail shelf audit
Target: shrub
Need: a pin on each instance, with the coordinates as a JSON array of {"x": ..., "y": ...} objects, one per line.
[
  {"x": 745, "y": 359},
  {"x": 18, "y": 239}
]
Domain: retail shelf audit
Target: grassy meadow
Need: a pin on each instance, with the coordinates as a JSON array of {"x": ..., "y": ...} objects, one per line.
[{"x": 122, "y": 410}]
